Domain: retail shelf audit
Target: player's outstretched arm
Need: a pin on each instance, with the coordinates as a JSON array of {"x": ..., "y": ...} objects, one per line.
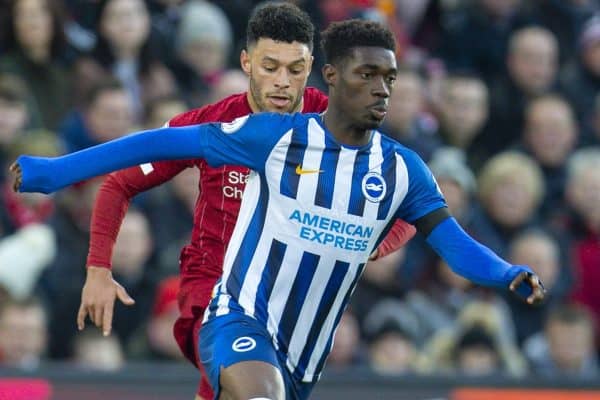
[
  {"x": 474, "y": 261},
  {"x": 47, "y": 175}
]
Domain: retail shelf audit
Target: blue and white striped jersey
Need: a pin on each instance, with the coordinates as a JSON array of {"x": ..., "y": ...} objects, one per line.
[{"x": 312, "y": 212}]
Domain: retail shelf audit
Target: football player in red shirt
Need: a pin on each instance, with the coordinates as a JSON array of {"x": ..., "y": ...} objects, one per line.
[{"x": 277, "y": 60}]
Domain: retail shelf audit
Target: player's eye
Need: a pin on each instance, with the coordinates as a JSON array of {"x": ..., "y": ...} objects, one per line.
[
  {"x": 297, "y": 71},
  {"x": 366, "y": 75},
  {"x": 391, "y": 79},
  {"x": 269, "y": 68}
]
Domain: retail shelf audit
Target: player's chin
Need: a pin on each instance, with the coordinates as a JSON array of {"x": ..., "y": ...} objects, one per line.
[{"x": 371, "y": 122}]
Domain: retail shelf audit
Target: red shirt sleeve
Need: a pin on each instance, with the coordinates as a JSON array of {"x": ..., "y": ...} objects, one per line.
[
  {"x": 400, "y": 233},
  {"x": 118, "y": 188}
]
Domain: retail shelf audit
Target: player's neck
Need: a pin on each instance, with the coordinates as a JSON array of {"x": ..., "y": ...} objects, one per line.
[{"x": 343, "y": 130}]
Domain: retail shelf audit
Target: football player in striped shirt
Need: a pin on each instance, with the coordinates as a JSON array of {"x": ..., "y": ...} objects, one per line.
[{"x": 323, "y": 191}]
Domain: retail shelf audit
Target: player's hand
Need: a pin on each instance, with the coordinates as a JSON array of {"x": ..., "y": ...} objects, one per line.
[
  {"x": 98, "y": 299},
  {"x": 537, "y": 288},
  {"x": 15, "y": 168}
]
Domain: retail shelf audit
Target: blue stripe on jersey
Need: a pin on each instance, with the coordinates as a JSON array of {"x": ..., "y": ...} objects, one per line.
[
  {"x": 273, "y": 264},
  {"x": 321, "y": 363},
  {"x": 296, "y": 298},
  {"x": 248, "y": 247},
  {"x": 294, "y": 157},
  {"x": 357, "y": 198},
  {"x": 388, "y": 169},
  {"x": 329, "y": 160},
  {"x": 331, "y": 290}
]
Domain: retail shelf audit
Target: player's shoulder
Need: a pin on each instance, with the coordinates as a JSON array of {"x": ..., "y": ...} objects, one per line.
[
  {"x": 314, "y": 100},
  {"x": 224, "y": 110}
]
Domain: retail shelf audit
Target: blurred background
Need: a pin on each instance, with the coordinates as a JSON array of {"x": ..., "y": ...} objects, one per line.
[{"x": 499, "y": 97}]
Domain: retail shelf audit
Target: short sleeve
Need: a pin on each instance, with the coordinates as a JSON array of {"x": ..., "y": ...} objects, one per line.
[
  {"x": 424, "y": 195},
  {"x": 245, "y": 141}
]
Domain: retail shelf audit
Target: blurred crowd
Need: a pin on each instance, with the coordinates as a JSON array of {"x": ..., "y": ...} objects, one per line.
[{"x": 500, "y": 97}]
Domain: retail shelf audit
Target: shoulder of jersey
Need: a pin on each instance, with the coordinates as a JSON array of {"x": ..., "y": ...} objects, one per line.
[
  {"x": 224, "y": 110},
  {"x": 314, "y": 100}
]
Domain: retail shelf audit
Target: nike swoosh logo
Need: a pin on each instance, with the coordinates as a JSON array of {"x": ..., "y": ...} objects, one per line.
[{"x": 301, "y": 171}]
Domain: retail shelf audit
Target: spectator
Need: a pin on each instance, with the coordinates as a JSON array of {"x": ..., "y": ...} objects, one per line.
[
  {"x": 456, "y": 181},
  {"x": 346, "y": 350},
  {"x": 491, "y": 22},
  {"x": 171, "y": 212},
  {"x": 566, "y": 347},
  {"x": 406, "y": 121},
  {"x": 580, "y": 80},
  {"x": 583, "y": 196},
  {"x": 532, "y": 63},
  {"x": 462, "y": 111},
  {"x": 161, "y": 342},
  {"x": 480, "y": 339},
  {"x": 203, "y": 43},
  {"x": 107, "y": 113},
  {"x": 36, "y": 49},
  {"x": 475, "y": 353},
  {"x": 94, "y": 352},
  {"x": 131, "y": 268},
  {"x": 162, "y": 109},
  {"x": 510, "y": 189},
  {"x": 565, "y": 18},
  {"x": 231, "y": 82},
  {"x": 63, "y": 279},
  {"x": 23, "y": 334},
  {"x": 550, "y": 136},
  {"x": 538, "y": 249},
  {"x": 124, "y": 49},
  {"x": 392, "y": 331},
  {"x": 14, "y": 113}
]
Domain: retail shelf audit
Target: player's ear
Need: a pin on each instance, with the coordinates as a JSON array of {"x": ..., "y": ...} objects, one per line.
[
  {"x": 245, "y": 62},
  {"x": 330, "y": 73}
]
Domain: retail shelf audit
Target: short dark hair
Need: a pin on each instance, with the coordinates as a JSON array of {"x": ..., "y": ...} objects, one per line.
[
  {"x": 340, "y": 38},
  {"x": 99, "y": 87},
  {"x": 283, "y": 22}
]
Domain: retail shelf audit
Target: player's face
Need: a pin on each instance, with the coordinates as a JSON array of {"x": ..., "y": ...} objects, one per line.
[
  {"x": 366, "y": 80},
  {"x": 278, "y": 72}
]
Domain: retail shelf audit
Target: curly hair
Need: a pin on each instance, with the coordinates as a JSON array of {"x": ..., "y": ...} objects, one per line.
[
  {"x": 338, "y": 40},
  {"x": 282, "y": 22}
]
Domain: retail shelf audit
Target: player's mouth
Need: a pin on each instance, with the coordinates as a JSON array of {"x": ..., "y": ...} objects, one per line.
[
  {"x": 280, "y": 101},
  {"x": 378, "y": 112}
]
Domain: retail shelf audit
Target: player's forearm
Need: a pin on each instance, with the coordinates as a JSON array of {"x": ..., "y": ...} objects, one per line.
[
  {"x": 47, "y": 175},
  {"x": 112, "y": 202},
  {"x": 469, "y": 258},
  {"x": 110, "y": 207}
]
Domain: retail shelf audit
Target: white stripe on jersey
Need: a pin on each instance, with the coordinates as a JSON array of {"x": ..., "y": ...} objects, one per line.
[
  {"x": 312, "y": 161},
  {"x": 343, "y": 179},
  {"x": 375, "y": 160}
]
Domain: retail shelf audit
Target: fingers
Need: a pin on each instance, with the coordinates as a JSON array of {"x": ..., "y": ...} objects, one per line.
[
  {"x": 124, "y": 296},
  {"x": 517, "y": 281},
  {"x": 538, "y": 291},
  {"x": 16, "y": 169},
  {"x": 107, "y": 320},
  {"x": 81, "y": 317},
  {"x": 98, "y": 313}
]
